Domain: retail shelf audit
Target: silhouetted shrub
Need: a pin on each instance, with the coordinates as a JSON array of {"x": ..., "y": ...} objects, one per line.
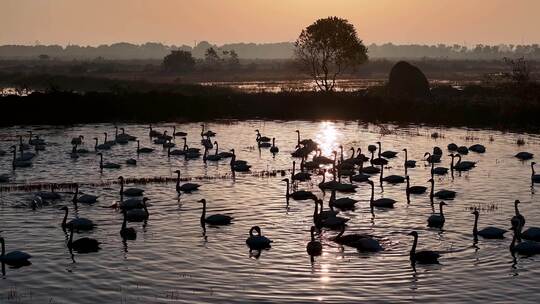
[{"x": 407, "y": 81}]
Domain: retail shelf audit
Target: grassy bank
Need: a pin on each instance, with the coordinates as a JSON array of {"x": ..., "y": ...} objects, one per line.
[{"x": 494, "y": 107}]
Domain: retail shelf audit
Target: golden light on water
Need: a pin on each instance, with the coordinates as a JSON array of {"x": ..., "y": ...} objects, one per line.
[{"x": 328, "y": 138}]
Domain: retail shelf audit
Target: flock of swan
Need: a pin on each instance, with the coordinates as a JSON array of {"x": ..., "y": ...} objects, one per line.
[{"x": 345, "y": 174}]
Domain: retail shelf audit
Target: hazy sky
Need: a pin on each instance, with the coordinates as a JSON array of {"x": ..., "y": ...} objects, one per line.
[{"x": 92, "y": 22}]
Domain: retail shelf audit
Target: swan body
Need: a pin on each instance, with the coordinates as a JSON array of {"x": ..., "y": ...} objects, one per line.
[
  {"x": 107, "y": 165},
  {"x": 422, "y": 257},
  {"x": 83, "y": 199},
  {"x": 381, "y": 202},
  {"x": 414, "y": 189},
  {"x": 463, "y": 150},
  {"x": 478, "y": 148},
  {"x": 531, "y": 234},
  {"x": 524, "y": 155},
  {"x": 13, "y": 257},
  {"x": 127, "y": 233},
  {"x": 441, "y": 194},
  {"x": 300, "y": 195},
  {"x": 452, "y": 147},
  {"x": 138, "y": 214},
  {"x": 313, "y": 247},
  {"x": 274, "y": 148},
  {"x": 82, "y": 245},
  {"x": 259, "y": 241},
  {"x": 391, "y": 179},
  {"x": 535, "y": 178},
  {"x": 79, "y": 223},
  {"x": 143, "y": 150},
  {"x": 437, "y": 220},
  {"x": 129, "y": 191},
  {"x": 487, "y": 232},
  {"x": 344, "y": 203},
  {"x": 187, "y": 187},
  {"x": 133, "y": 203},
  {"x": 518, "y": 218},
  {"x": 214, "y": 219}
]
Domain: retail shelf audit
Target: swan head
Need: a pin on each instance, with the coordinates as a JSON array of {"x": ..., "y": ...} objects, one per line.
[
  {"x": 64, "y": 208},
  {"x": 404, "y": 150},
  {"x": 297, "y": 131},
  {"x": 426, "y": 154},
  {"x": 431, "y": 180},
  {"x": 202, "y": 201},
  {"x": 407, "y": 177},
  {"x": 516, "y": 202},
  {"x": 100, "y": 154},
  {"x": 121, "y": 178},
  {"x": 255, "y": 228},
  {"x": 95, "y": 138},
  {"x": 475, "y": 212},
  {"x": 177, "y": 171},
  {"x": 413, "y": 233},
  {"x": 533, "y": 163},
  {"x": 370, "y": 182},
  {"x": 285, "y": 180},
  {"x": 442, "y": 203}
]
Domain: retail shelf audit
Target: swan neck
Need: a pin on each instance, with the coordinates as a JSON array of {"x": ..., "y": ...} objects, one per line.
[
  {"x": 413, "y": 249},
  {"x": 203, "y": 215},
  {"x": 475, "y": 228},
  {"x": 124, "y": 221},
  {"x": 3, "y": 247},
  {"x": 65, "y": 218},
  {"x": 532, "y": 169}
]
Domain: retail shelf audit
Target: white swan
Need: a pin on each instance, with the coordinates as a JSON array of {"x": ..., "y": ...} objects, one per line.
[{"x": 13, "y": 257}]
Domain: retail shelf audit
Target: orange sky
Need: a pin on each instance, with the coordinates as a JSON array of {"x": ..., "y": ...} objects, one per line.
[{"x": 219, "y": 21}]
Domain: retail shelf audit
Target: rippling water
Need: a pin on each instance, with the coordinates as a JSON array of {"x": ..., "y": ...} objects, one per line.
[{"x": 173, "y": 261}]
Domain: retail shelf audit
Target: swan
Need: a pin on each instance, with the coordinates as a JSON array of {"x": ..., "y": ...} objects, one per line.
[
  {"x": 478, "y": 148},
  {"x": 224, "y": 154},
  {"x": 187, "y": 187},
  {"x": 452, "y": 147},
  {"x": 391, "y": 179},
  {"x": 414, "y": 189},
  {"x": 214, "y": 219},
  {"x": 347, "y": 239},
  {"x": 437, "y": 220},
  {"x": 207, "y": 143},
  {"x": 129, "y": 191},
  {"x": 527, "y": 248},
  {"x": 438, "y": 170},
  {"x": 386, "y": 154},
  {"x": 169, "y": 144},
  {"x": 325, "y": 214},
  {"x": 143, "y": 150},
  {"x": 300, "y": 195},
  {"x": 259, "y": 241},
  {"x": 331, "y": 185},
  {"x": 261, "y": 138},
  {"x": 326, "y": 220},
  {"x": 121, "y": 139},
  {"x": 518, "y": 218},
  {"x": 131, "y": 161},
  {"x": 98, "y": 146},
  {"x": 360, "y": 156},
  {"x": 73, "y": 154},
  {"x": 133, "y": 203},
  {"x": 535, "y": 178},
  {"x": 239, "y": 166},
  {"x": 313, "y": 247},
  {"x": 175, "y": 152},
  {"x": 531, "y": 234},
  {"x": 18, "y": 163},
  {"x": 274, "y": 148},
  {"x": 211, "y": 157},
  {"x": 409, "y": 163},
  {"x": 79, "y": 223},
  {"x": 424, "y": 256},
  {"x": 524, "y": 155},
  {"x": 207, "y": 133},
  {"x": 82, "y": 245},
  {"x": 381, "y": 202},
  {"x": 191, "y": 153},
  {"x": 463, "y": 150},
  {"x": 359, "y": 241},
  {"x": 107, "y": 165},
  {"x": 138, "y": 214},
  {"x": 154, "y": 133},
  {"x": 179, "y": 134},
  {"x": 441, "y": 194},
  {"x": 13, "y": 258},
  {"x": 360, "y": 177},
  {"x": 461, "y": 165},
  {"x": 487, "y": 232},
  {"x": 300, "y": 176},
  {"x": 301, "y": 152},
  {"x": 77, "y": 140},
  {"x": 84, "y": 199},
  {"x": 127, "y": 233},
  {"x": 49, "y": 195},
  {"x": 343, "y": 203},
  {"x": 125, "y": 136},
  {"x": 108, "y": 142},
  {"x": 320, "y": 159},
  {"x": 308, "y": 143},
  {"x": 437, "y": 151},
  {"x": 379, "y": 161},
  {"x": 432, "y": 158}
]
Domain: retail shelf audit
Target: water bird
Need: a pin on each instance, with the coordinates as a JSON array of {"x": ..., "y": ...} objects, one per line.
[
  {"x": 300, "y": 176},
  {"x": 441, "y": 194},
  {"x": 478, "y": 148},
  {"x": 127, "y": 233},
  {"x": 99, "y": 146},
  {"x": 223, "y": 154},
  {"x": 239, "y": 166},
  {"x": 524, "y": 155},
  {"x": 526, "y": 248},
  {"x": 258, "y": 241},
  {"x": 408, "y": 163},
  {"x": 437, "y": 220},
  {"x": 274, "y": 148},
  {"x": 82, "y": 245},
  {"x": 77, "y": 140},
  {"x": 391, "y": 179},
  {"x": 186, "y": 187},
  {"x": 314, "y": 247},
  {"x": 386, "y": 154},
  {"x": 214, "y": 219},
  {"x": 129, "y": 191},
  {"x": 414, "y": 189},
  {"x": 463, "y": 150},
  {"x": 207, "y": 133},
  {"x": 13, "y": 258},
  {"x": 108, "y": 142},
  {"x": 518, "y": 218},
  {"x": 300, "y": 195},
  {"x": 261, "y": 139},
  {"x": 138, "y": 214},
  {"x": 343, "y": 203},
  {"x": 107, "y": 165},
  {"x": 381, "y": 202},
  {"x": 179, "y": 133},
  {"x": 432, "y": 158},
  {"x": 85, "y": 198},
  {"x": 144, "y": 149},
  {"x": 50, "y": 195},
  {"x": 535, "y": 178},
  {"x": 326, "y": 220},
  {"x": 438, "y": 170},
  {"x": 424, "y": 256},
  {"x": 452, "y": 147},
  {"x": 79, "y": 223},
  {"x": 461, "y": 165},
  {"x": 487, "y": 232}
]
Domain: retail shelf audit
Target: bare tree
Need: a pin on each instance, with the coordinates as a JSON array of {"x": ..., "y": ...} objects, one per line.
[{"x": 327, "y": 48}]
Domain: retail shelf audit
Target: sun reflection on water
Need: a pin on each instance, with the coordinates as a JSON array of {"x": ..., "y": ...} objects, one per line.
[{"x": 328, "y": 138}]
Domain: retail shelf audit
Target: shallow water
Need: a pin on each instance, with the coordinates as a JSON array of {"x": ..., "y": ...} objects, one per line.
[{"x": 172, "y": 261}]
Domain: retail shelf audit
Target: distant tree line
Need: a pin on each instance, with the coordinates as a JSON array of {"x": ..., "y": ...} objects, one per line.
[
  {"x": 284, "y": 50},
  {"x": 180, "y": 61}
]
